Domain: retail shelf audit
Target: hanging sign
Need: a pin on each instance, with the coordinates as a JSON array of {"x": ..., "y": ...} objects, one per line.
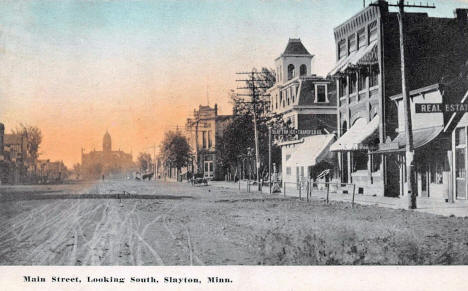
[{"x": 440, "y": 107}]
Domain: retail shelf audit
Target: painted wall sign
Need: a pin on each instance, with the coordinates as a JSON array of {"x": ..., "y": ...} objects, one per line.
[{"x": 297, "y": 131}]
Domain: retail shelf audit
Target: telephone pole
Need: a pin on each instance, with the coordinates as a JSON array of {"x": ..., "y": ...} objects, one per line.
[
  {"x": 407, "y": 102},
  {"x": 254, "y": 94}
]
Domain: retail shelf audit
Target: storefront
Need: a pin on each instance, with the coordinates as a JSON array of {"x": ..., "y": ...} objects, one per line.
[{"x": 300, "y": 157}]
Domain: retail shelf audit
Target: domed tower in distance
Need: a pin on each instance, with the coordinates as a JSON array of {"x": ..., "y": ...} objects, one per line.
[{"x": 107, "y": 143}]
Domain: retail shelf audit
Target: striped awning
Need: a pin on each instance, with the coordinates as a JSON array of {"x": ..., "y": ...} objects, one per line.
[
  {"x": 364, "y": 56},
  {"x": 354, "y": 138}
]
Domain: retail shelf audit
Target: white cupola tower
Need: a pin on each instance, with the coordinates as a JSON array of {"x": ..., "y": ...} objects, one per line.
[{"x": 294, "y": 61}]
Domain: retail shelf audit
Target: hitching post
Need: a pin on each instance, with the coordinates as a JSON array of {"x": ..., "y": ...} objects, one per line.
[
  {"x": 328, "y": 191},
  {"x": 354, "y": 191}
]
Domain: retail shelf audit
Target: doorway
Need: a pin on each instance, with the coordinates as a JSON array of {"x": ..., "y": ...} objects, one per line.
[{"x": 208, "y": 169}]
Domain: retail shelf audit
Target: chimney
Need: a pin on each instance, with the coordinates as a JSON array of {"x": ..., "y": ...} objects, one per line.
[
  {"x": 216, "y": 109},
  {"x": 461, "y": 15}
]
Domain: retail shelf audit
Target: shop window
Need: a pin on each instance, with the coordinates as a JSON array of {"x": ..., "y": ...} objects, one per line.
[
  {"x": 437, "y": 169},
  {"x": 342, "y": 49},
  {"x": 303, "y": 70},
  {"x": 352, "y": 83},
  {"x": 361, "y": 38},
  {"x": 374, "y": 76},
  {"x": 376, "y": 161},
  {"x": 352, "y": 44},
  {"x": 291, "y": 72},
  {"x": 360, "y": 160},
  {"x": 460, "y": 169},
  {"x": 460, "y": 136}
]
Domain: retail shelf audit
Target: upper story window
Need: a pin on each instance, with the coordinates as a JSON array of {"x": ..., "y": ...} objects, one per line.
[
  {"x": 352, "y": 43},
  {"x": 291, "y": 71},
  {"x": 363, "y": 74},
  {"x": 374, "y": 76},
  {"x": 361, "y": 38},
  {"x": 373, "y": 33},
  {"x": 352, "y": 83},
  {"x": 303, "y": 70},
  {"x": 204, "y": 139},
  {"x": 210, "y": 142},
  {"x": 342, "y": 49},
  {"x": 343, "y": 86},
  {"x": 321, "y": 93}
]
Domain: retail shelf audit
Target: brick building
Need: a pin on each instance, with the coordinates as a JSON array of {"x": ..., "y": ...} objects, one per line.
[
  {"x": 368, "y": 75},
  {"x": 94, "y": 164},
  {"x": 203, "y": 131}
]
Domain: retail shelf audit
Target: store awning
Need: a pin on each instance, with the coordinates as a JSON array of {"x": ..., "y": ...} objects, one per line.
[
  {"x": 421, "y": 137},
  {"x": 353, "y": 139},
  {"x": 322, "y": 147},
  {"x": 364, "y": 56},
  {"x": 312, "y": 149}
]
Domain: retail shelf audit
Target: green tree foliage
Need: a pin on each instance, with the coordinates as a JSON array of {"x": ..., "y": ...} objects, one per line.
[
  {"x": 144, "y": 161},
  {"x": 175, "y": 150}
]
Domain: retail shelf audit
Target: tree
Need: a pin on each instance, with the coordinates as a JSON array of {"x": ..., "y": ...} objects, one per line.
[
  {"x": 77, "y": 170},
  {"x": 238, "y": 137},
  {"x": 175, "y": 150},
  {"x": 33, "y": 136},
  {"x": 144, "y": 160}
]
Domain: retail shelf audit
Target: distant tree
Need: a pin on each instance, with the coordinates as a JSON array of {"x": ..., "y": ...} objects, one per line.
[
  {"x": 33, "y": 136},
  {"x": 77, "y": 170},
  {"x": 175, "y": 150},
  {"x": 144, "y": 161}
]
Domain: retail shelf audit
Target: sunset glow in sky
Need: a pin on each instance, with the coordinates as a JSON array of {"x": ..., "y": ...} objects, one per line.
[{"x": 138, "y": 68}]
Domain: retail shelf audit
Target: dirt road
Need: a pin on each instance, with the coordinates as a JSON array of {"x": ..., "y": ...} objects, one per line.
[
  {"x": 104, "y": 231},
  {"x": 177, "y": 224}
]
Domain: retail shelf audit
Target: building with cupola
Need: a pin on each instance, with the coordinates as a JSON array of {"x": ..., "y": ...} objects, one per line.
[
  {"x": 107, "y": 162},
  {"x": 306, "y": 102}
]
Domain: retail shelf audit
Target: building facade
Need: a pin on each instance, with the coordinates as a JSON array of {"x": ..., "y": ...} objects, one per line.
[
  {"x": 368, "y": 74},
  {"x": 107, "y": 162},
  {"x": 203, "y": 132},
  {"x": 15, "y": 153},
  {"x": 306, "y": 103}
]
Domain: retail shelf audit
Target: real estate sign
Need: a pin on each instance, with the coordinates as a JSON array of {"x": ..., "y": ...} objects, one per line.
[{"x": 440, "y": 107}]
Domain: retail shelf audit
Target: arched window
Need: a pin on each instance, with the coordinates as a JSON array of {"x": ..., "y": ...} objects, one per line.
[
  {"x": 303, "y": 70},
  {"x": 291, "y": 72}
]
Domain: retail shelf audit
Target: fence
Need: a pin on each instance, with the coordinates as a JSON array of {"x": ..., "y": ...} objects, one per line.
[{"x": 303, "y": 189}]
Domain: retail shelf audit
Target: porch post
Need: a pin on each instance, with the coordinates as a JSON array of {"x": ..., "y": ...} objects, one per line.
[{"x": 452, "y": 174}]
